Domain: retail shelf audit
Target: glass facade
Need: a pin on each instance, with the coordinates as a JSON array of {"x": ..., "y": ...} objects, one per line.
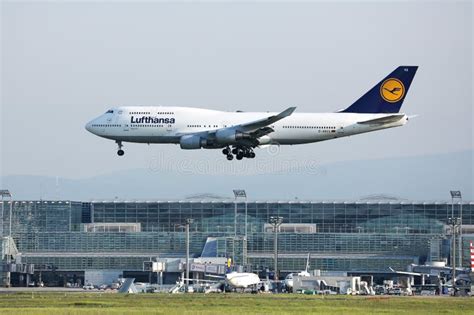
[{"x": 344, "y": 236}]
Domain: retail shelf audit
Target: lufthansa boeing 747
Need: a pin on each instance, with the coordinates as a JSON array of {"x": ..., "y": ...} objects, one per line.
[{"x": 239, "y": 133}]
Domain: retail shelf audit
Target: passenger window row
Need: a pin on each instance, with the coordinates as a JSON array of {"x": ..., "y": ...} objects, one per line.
[
  {"x": 309, "y": 127},
  {"x": 199, "y": 126},
  {"x": 149, "y": 113},
  {"x": 137, "y": 126}
]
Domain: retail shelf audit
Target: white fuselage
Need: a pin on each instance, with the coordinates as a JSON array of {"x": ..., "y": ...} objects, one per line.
[
  {"x": 159, "y": 124},
  {"x": 242, "y": 279}
]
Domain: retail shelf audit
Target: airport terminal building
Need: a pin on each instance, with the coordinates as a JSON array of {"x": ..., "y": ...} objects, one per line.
[{"x": 365, "y": 236}]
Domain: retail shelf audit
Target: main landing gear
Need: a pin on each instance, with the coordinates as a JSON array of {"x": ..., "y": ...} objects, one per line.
[
  {"x": 239, "y": 152},
  {"x": 120, "y": 152}
]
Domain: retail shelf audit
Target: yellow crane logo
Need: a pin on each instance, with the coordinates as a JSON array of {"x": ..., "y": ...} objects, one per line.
[{"x": 392, "y": 90}]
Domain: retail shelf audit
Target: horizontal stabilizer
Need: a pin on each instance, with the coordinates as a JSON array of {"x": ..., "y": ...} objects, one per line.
[{"x": 382, "y": 120}]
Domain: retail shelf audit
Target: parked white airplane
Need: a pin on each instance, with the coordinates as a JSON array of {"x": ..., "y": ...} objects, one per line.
[
  {"x": 238, "y": 133},
  {"x": 236, "y": 280},
  {"x": 289, "y": 280},
  {"x": 242, "y": 280}
]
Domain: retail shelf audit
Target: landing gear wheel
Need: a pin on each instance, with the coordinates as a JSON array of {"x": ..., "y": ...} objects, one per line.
[
  {"x": 120, "y": 152},
  {"x": 251, "y": 155},
  {"x": 235, "y": 151},
  {"x": 240, "y": 156},
  {"x": 226, "y": 151},
  {"x": 230, "y": 157}
]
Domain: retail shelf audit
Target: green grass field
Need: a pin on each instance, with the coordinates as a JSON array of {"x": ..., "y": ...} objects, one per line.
[{"x": 111, "y": 303}]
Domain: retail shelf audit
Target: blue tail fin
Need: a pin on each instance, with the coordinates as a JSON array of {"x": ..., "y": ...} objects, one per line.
[{"x": 388, "y": 95}]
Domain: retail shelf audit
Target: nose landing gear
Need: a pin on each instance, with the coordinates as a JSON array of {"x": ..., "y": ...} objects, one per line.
[{"x": 120, "y": 152}]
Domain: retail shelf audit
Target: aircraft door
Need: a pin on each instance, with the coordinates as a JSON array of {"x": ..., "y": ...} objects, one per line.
[
  {"x": 121, "y": 117},
  {"x": 117, "y": 117},
  {"x": 170, "y": 129},
  {"x": 340, "y": 131}
]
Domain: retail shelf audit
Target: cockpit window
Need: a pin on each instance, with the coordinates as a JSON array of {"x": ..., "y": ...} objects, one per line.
[{"x": 109, "y": 111}]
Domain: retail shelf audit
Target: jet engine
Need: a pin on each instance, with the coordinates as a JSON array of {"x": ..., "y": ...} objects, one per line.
[
  {"x": 190, "y": 142},
  {"x": 265, "y": 140}
]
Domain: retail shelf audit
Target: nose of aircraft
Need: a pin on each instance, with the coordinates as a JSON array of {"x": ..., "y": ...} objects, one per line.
[{"x": 88, "y": 127}]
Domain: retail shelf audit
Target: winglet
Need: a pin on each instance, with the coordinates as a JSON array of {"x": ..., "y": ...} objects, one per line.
[{"x": 287, "y": 112}]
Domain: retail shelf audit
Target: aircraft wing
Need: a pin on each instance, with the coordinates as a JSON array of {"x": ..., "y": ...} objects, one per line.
[
  {"x": 252, "y": 130},
  {"x": 257, "y": 124},
  {"x": 255, "y": 129}
]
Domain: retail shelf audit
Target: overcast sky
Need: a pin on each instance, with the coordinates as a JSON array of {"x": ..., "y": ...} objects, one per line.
[{"x": 64, "y": 64}]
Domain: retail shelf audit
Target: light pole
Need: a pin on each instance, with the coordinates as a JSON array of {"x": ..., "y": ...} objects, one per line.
[
  {"x": 10, "y": 220},
  {"x": 240, "y": 193},
  {"x": 276, "y": 222},
  {"x": 188, "y": 223},
  {"x": 454, "y": 223},
  {"x": 456, "y": 194},
  {"x": 6, "y": 193}
]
